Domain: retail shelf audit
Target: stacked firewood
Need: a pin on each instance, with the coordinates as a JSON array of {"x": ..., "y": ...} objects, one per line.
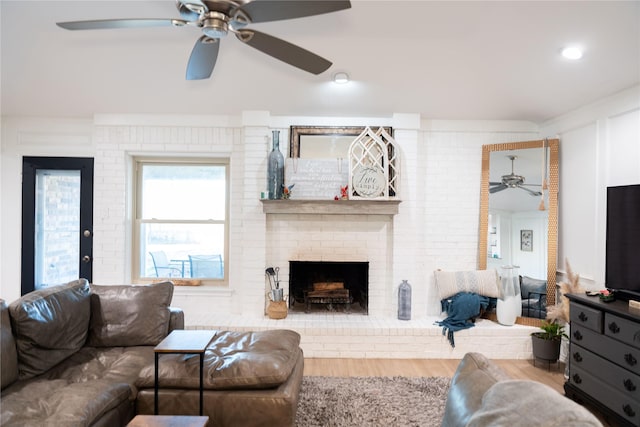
[{"x": 329, "y": 290}]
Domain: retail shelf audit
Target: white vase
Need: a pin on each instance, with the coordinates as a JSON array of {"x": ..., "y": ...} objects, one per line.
[
  {"x": 508, "y": 309},
  {"x": 509, "y": 305}
]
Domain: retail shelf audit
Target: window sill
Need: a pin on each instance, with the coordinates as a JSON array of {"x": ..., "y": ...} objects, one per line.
[
  {"x": 203, "y": 290},
  {"x": 331, "y": 207}
]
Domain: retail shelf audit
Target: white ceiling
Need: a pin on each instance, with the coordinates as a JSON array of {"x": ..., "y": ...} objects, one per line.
[{"x": 442, "y": 59}]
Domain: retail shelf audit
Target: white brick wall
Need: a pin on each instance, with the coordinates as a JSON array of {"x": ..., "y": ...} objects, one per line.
[
  {"x": 113, "y": 182},
  {"x": 436, "y": 227}
]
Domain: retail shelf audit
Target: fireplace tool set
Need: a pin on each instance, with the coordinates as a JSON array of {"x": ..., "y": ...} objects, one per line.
[{"x": 276, "y": 293}]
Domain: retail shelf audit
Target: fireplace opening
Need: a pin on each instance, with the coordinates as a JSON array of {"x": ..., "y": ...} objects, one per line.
[{"x": 318, "y": 286}]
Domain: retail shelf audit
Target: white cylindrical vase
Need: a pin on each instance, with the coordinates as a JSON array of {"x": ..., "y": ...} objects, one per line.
[{"x": 509, "y": 305}]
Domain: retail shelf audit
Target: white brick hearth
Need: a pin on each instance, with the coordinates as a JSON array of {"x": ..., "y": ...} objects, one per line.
[{"x": 337, "y": 335}]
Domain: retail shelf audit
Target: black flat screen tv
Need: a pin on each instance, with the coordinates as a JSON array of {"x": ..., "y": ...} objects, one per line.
[{"x": 622, "y": 269}]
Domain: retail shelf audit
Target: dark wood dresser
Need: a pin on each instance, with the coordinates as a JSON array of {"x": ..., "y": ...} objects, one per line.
[{"x": 604, "y": 358}]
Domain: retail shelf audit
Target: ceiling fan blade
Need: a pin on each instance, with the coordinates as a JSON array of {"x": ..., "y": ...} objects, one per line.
[
  {"x": 284, "y": 51},
  {"x": 269, "y": 10},
  {"x": 102, "y": 24},
  {"x": 497, "y": 188},
  {"x": 533, "y": 193},
  {"x": 495, "y": 183},
  {"x": 203, "y": 58}
]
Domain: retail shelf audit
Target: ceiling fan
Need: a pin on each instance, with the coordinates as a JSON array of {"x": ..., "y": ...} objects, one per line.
[
  {"x": 513, "y": 181},
  {"x": 216, "y": 18}
]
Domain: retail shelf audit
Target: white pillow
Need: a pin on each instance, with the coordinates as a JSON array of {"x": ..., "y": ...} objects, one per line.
[{"x": 481, "y": 282}]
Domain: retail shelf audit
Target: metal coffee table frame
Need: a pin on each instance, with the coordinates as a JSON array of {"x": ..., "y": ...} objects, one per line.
[{"x": 182, "y": 342}]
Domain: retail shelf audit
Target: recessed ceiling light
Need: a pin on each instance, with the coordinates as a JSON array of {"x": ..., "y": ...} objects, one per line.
[
  {"x": 341, "y": 78},
  {"x": 572, "y": 52}
]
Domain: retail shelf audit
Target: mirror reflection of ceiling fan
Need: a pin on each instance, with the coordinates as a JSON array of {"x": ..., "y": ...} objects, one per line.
[
  {"x": 513, "y": 181},
  {"x": 217, "y": 18}
]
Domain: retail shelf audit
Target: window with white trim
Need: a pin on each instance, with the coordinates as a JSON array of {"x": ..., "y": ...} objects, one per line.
[{"x": 181, "y": 220}]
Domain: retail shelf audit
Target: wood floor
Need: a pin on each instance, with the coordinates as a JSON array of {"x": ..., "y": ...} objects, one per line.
[{"x": 517, "y": 369}]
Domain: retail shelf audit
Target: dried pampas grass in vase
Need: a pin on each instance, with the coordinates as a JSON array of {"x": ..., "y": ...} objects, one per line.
[{"x": 560, "y": 312}]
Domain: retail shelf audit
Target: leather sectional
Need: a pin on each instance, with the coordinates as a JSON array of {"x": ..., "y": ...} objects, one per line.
[{"x": 82, "y": 355}]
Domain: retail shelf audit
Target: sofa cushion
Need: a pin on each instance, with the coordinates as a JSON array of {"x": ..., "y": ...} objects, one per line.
[
  {"x": 246, "y": 360},
  {"x": 50, "y": 325},
  {"x": 528, "y": 284},
  {"x": 529, "y": 403},
  {"x": 79, "y": 390},
  {"x": 129, "y": 315},
  {"x": 481, "y": 282},
  {"x": 9, "y": 358},
  {"x": 46, "y": 402}
]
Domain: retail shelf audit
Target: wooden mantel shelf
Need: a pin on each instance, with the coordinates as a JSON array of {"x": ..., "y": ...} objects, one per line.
[{"x": 331, "y": 207}]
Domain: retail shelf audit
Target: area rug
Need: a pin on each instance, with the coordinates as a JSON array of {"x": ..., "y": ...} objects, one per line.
[{"x": 371, "y": 401}]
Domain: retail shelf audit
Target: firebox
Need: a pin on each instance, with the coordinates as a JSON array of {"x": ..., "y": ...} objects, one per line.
[{"x": 328, "y": 285}]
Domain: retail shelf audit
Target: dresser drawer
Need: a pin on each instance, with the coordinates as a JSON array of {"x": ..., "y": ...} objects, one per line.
[
  {"x": 622, "y": 329},
  {"x": 619, "y": 402},
  {"x": 621, "y": 379},
  {"x": 586, "y": 316},
  {"x": 621, "y": 354}
]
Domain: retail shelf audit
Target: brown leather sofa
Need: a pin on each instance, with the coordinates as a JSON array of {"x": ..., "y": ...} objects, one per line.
[
  {"x": 72, "y": 353},
  {"x": 82, "y": 355},
  {"x": 483, "y": 395}
]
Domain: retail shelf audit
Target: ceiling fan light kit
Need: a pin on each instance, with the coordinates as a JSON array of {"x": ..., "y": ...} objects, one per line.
[
  {"x": 341, "y": 78},
  {"x": 215, "y": 25},
  {"x": 216, "y": 18},
  {"x": 572, "y": 53}
]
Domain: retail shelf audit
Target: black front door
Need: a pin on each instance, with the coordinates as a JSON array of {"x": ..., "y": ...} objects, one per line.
[{"x": 57, "y": 221}]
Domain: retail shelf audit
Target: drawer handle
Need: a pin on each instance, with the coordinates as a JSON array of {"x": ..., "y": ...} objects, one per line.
[
  {"x": 577, "y": 357},
  {"x": 630, "y": 359},
  {"x": 614, "y": 328},
  {"x": 629, "y": 385},
  {"x": 583, "y": 316},
  {"x": 628, "y": 410},
  {"x": 577, "y": 335},
  {"x": 577, "y": 379}
]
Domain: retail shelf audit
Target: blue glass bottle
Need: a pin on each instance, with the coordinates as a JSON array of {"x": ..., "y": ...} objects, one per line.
[{"x": 275, "y": 169}]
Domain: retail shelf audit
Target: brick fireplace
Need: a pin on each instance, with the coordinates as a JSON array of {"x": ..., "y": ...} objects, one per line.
[{"x": 350, "y": 239}]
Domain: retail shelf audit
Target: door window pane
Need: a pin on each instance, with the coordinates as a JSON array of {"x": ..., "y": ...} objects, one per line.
[{"x": 57, "y": 230}]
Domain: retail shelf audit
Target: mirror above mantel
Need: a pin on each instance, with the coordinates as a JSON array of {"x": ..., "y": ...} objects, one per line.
[
  {"x": 314, "y": 142},
  {"x": 519, "y": 209}
]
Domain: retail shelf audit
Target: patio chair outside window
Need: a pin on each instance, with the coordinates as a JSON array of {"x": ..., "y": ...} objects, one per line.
[
  {"x": 209, "y": 266},
  {"x": 163, "y": 267}
]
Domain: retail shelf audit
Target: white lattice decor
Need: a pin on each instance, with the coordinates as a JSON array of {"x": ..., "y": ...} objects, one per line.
[{"x": 373, "y": 169}]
